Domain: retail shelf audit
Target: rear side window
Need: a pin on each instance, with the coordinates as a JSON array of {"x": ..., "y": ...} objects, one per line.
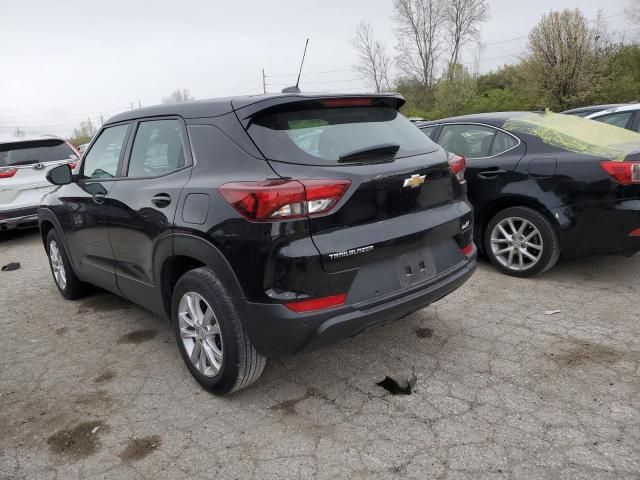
[
  {"x": 320, "y": 136},
  {"x": 157, "y": 149},
  {"x": 475, "y": 141},
  {"x": 502, "y": 143},
  {"x": 102, "y": 160},
  {"x": 618, "y": 119},
  {"x": 37, "y": 151},
  {"x": 470, "y": 141}
]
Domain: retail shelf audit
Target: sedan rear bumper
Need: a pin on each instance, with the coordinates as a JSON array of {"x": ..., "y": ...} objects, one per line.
[
  {"x": 276, "y": 331},
  {"x": 18, "y": 218},
  {"x": 603, "y": 228}
]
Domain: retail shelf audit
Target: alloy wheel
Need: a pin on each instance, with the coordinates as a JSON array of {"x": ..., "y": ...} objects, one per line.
[
  {"x": 200, "y": 334},
  {"x": 57, "y": 265},
  {"x": 516, "y": 243}
]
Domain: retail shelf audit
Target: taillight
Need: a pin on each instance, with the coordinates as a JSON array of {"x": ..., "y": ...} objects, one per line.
[
  {"x": 468, "y": 250},
  {"x": 635, "y": 233},
  {"x": 317, "y": 303},
  {"x": 272, "y": 200},
  {"x": 7, "y": 172},
  {"x": 458, "y": 165},
  {"x": 625, "y": 173}
]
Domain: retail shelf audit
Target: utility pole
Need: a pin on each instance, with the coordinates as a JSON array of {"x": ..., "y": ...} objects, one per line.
[
  {"x": 139, "y": 104},
  {"x": 101, "y": 120},
  {"x": 264, "y": 82},
  {"x": 131, "y": 103}
]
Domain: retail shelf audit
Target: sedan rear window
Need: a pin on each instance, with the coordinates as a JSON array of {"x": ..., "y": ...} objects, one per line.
[
  {"x": 329, "y": 136},
  {"x": 37, "y": 151},
  {"x": 576, "y": 134}
]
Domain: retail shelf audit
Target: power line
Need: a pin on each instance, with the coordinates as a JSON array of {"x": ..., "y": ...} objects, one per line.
[
  {"x": 310, "y": 73},
  {"x": 500, "y": 42},
  {"x": 316, "y": 83},
  {"x": 255, "y": 80}
]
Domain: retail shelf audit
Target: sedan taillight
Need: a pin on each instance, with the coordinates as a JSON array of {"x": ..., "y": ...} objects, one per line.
[
  {"x": 272, "y": 200},
  {"x": 458, "y": 165},
  {"x": 625, "y": 173},
  {"x": 7, "y": 172}
]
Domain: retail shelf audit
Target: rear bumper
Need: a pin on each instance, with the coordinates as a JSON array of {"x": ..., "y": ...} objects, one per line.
[
  {"x": 276, "y": 331},
  {"x": 19, "y": 218},
  {"x": 602, "y": 228}
]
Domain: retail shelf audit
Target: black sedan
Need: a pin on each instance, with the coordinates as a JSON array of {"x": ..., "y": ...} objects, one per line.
[{"x": 546, "y": 185}]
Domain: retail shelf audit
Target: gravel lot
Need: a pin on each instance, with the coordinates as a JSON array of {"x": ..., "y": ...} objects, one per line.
[{"x": 96, "y": 389}]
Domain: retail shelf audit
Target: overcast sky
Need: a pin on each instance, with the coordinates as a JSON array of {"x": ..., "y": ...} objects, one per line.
[{"x": 63, "y": 61}]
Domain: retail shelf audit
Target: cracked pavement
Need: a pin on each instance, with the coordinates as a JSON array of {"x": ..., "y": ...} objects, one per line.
[{"x": 96, "y": 389}]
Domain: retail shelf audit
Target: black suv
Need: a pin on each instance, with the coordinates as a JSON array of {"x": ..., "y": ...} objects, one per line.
[{"x": 262, "y": 225}]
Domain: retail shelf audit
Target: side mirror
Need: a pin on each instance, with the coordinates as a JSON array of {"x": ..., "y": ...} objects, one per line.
[{"x": 60, "y": 175}]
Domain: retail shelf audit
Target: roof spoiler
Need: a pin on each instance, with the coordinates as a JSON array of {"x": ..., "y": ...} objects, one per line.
[{"x": 246, "y": 107}]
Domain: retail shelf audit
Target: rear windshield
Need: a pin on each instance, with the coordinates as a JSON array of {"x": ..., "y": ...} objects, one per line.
[
  {"x": 38, "y": 151},
  {"x": 576, "y": 134},
  {"x": 320, "y": 136}
]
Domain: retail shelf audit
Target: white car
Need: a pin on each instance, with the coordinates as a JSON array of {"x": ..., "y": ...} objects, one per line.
[
  {"x": 23, "y": 170},
  {"x": 624, "y": 116}
]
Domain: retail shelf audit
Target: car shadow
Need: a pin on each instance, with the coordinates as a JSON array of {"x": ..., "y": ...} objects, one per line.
[{"x": 18, "y": 234}]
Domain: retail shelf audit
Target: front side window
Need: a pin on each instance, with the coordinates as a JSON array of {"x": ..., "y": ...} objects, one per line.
[
  {"x": 102, "y": 160},
  {"x": 470, "y": 141},
  {"x": 617, "y": 119},
  {"x": 157, "y": 149}
]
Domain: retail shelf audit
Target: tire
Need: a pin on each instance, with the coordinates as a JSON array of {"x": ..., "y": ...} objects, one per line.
[
  {"x": 69, "y": 285},
  {"x": 226, "y": 361},
  {"x": 534, "y": 234}
]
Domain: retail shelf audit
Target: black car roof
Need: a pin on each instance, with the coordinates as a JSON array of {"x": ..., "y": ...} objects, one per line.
[
  {"x": 215, "y": 107},
  {"x": 495, "y": 118}
]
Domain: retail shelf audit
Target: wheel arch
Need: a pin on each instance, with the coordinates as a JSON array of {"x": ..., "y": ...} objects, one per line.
[
  {"x": 503, "y": 203},
  {"x": 189, "y": 252},
  {"x": 47, "y": 221}
]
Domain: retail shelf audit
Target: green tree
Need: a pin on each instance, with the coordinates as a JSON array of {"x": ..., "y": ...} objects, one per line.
[
  {"x": 83, "y": 133},
  {"x": 562, "y": 65},
  {"x": 455, "y": 92}
]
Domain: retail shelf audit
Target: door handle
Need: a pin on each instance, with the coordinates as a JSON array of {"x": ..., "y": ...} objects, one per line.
[
  {"x": 491, "y": 174},
  {"x": 161, "y": 200},
  {"x": 99, "y": 198}
]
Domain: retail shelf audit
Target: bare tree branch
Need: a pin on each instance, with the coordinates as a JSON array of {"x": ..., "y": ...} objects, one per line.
[
  {"x": 177, "y": 96},
  {"x": 419, "y": 25},
  {"x": 374, "y": 63},
  {"x": 463, "y": 19}
]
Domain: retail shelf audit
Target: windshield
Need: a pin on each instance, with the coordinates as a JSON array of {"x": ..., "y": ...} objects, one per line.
[
  {"x": 321, "y": 136},
  {"x": 577, "y": 134},
  {"x": 37, "y": 151}
]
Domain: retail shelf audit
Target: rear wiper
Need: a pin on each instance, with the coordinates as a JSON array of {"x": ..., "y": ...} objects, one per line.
[{"x": 371, "y": 154}]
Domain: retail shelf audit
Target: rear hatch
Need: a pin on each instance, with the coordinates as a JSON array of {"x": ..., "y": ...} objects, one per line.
[
  {"x": 23, "y": 170},
  {"x": 403, "y": 201}
]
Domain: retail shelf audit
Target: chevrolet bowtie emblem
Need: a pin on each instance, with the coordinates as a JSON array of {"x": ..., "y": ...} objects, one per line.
[{"x": 414, "y": 181}]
